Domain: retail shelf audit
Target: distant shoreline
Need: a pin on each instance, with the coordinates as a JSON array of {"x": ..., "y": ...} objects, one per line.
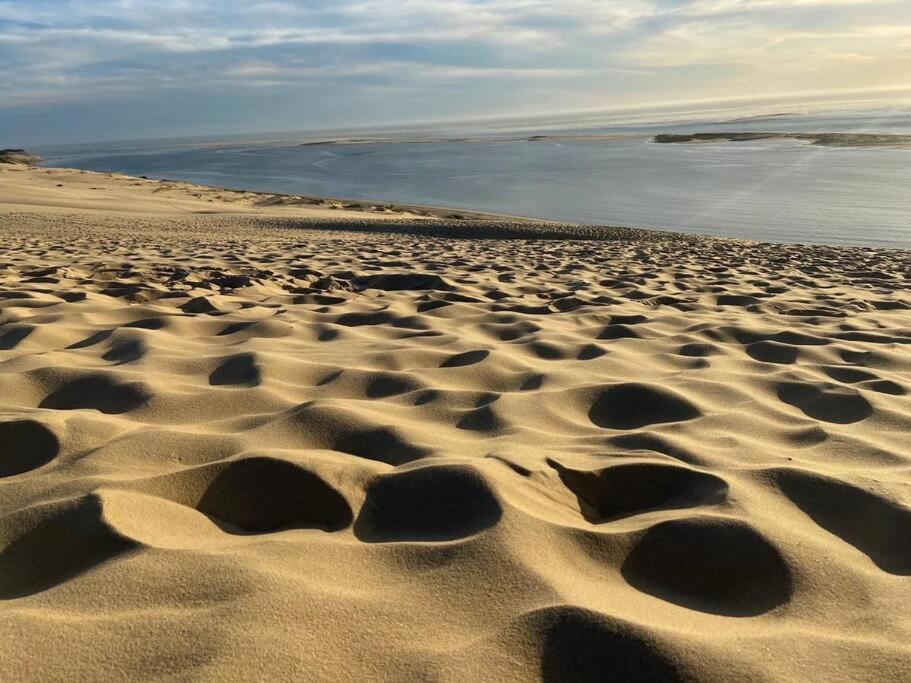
[
  {"x": 820, "y": 139},
  {"x": 473, "y": 140}
]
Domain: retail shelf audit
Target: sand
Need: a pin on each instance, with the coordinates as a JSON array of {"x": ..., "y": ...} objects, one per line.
[
  {"x": 62, "y": 190},
  {"x": 283, "y": 443}
]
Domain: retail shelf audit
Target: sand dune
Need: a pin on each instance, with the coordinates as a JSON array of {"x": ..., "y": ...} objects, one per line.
[
  {"x": 28, "y": 188},
  {"x": 232, "y": 447}
]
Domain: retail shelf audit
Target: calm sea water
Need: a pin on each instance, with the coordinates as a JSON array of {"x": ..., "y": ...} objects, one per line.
[{"x": 782, "y": 191}]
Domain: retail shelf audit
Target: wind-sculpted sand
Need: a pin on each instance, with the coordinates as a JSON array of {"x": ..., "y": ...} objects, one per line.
[{"x": 240, "y": 447}]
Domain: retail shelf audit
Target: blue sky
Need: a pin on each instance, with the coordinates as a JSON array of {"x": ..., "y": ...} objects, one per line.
[{"x": 77, "y": 70}]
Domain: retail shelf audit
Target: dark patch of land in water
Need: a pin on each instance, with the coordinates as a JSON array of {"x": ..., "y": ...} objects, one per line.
[
  {"x": 822, "y": 139},
  {"x": 19, "y": 157}
]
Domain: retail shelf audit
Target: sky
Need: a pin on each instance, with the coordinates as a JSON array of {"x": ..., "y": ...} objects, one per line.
[{"x": 85, "y": 70}]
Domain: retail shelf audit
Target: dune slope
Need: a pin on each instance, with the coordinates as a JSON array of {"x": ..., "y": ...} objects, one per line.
[{"x": 234, "y": 449}]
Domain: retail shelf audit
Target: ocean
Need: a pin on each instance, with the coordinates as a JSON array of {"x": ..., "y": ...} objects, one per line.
[{"x": 778, "y": 190}]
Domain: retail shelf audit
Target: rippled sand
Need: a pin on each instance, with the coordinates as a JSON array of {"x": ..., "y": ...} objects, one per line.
[{"x": 233, "y": 447}]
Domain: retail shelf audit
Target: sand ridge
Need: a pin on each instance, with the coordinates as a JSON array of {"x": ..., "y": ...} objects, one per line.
[
  {"x": 235, "y": 448},
  {"x": 25, "y": 187}
]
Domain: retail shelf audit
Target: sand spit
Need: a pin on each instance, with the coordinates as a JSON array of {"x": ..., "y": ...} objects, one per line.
[
  {"x": 821, "y": 139},
  {"x": 25, "y": 187},
  {"x": 235, "y": 449}
]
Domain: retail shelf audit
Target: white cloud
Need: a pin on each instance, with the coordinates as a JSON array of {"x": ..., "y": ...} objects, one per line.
[{"x": 60, "y": 50}]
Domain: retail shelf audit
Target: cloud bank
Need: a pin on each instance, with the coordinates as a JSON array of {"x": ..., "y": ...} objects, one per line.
[{"x": 81, "y": 69}]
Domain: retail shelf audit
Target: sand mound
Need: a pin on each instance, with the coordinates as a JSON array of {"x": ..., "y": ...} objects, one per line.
[
  {"x": 47, "y": 545},
  {"x": 575, "y": 644},
  {"x": 240, "y": 368},
  {"x": 256, "y": 495},
  {"x": 827, "y": 403},
  {"x": 710, "y": 564},
  {"x": 25, "y": 445},
  {"x": 97, "y": 391},
  {"x": 396, "y": 282},
  {"x": 629, "y": 406},
  {"x": 233, "y": 448},
  {"x": 433, "y": 503},
  {"x": 876, "y": 526},
  {"x": 633, "y": 488}
]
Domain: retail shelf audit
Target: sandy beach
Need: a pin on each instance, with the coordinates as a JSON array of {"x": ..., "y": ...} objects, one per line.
[{"x": 259, "y": 437}]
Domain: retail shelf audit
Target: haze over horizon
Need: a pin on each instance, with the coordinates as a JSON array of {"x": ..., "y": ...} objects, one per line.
[{"x": 82, "y": 71}]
